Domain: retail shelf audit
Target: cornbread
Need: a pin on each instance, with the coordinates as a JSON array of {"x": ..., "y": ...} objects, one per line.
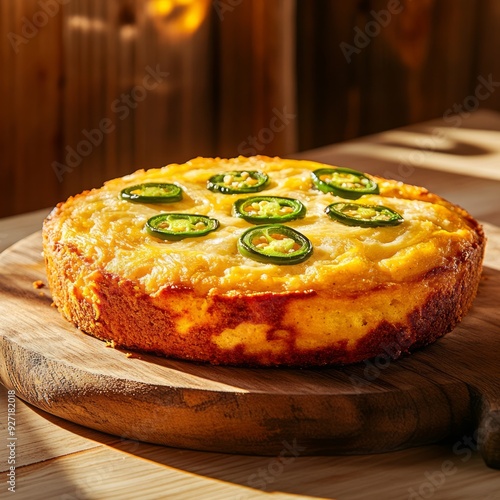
[{"x": 361, "y": 292}]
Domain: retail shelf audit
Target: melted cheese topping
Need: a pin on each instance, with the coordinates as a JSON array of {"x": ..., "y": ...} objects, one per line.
[{"x": 109, "y": 232}]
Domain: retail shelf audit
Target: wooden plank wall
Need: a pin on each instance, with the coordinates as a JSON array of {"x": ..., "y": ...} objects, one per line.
[
  {"x": 131, "y": 86},
  {"x": 100, "y": 90},
  {"x": 220, "y": 76},
  {"x": 30, "y": 100},
  {"x": 256, "y": 92},
  {"x": 426, "y": 60}
]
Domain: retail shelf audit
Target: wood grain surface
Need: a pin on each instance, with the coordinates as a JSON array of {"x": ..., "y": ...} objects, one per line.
[{"x": 440, "y": 392}]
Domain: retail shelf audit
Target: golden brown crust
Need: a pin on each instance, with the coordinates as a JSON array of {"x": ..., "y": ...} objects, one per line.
[
  {"x": 352, "y": 318},
  {"x": 134, "y": 320}
]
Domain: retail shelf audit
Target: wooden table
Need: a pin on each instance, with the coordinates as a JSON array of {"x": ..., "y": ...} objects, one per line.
[{"x": 58, "y": 459}]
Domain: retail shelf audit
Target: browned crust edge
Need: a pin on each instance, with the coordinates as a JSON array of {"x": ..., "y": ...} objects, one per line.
[{"x": 125, "y": 314}]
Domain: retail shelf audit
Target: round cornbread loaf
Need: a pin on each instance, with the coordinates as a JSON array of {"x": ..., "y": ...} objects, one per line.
[{"x": 364, "y": 291}]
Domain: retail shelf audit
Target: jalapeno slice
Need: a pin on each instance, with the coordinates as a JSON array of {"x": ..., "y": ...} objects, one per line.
[
  {"x": 275, "y": 244},
  {"x": 238, "y": 181},
  {"x": 343, "y": 182},
  {"x": 352, "y": 214},
  {"x": 177, "y": 226},
  {"x": 268, "y": 209},
  {"x": 152, "y": 192}
]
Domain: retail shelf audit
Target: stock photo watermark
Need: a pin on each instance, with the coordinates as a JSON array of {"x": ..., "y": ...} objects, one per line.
[
  {"x": 363, "y": 37},
  {"x": 121, "y": 107},
  {"x": 31, "y": 27},
  {"x": 425, "y": 146},
  {"x": 374, "y": 367},
  {"x": 90, "y": 483},
  {"x": 254, "y": 144},
  {"x": 456, "y": 113},
  {"x": 463, "y": 449},
  {"x": 454, "y": 117},
  {"x": 223, "y": 6},
  {"x": 11, "y": 441},
  {"x": 266, "y": 475}
]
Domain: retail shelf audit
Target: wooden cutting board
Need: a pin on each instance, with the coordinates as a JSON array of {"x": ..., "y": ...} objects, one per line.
[{"x": 448, "y": 390}]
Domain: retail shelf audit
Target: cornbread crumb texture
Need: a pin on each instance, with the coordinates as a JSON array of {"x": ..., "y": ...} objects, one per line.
[{"x": 362, "y": 290}]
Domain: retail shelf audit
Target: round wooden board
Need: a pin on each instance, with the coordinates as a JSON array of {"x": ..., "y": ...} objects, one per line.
[{"x": 447, "y": 389}]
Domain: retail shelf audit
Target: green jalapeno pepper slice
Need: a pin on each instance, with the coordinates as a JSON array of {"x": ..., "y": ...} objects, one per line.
[
  {"x": 177, "y": 226},
  {"x": 275, "y": 244},
  {"x": 352, "y": 214},
  {"x": 152, "y": 192},
  {"x": 238, "y": 181},
  {"x": 268, "y": 209},
  {"x": 343, "y": 182}
]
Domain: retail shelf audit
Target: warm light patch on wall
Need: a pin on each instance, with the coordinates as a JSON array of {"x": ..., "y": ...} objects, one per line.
[
  {"x": 178, "y": 17},
  {"x": 86, "y": 24}
]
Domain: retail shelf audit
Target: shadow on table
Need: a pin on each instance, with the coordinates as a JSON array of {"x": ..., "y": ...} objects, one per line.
[{"x": 349, "y": 477}]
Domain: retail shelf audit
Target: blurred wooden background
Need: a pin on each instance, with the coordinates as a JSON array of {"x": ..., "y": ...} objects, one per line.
[{"x": 91, "y": 89}]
